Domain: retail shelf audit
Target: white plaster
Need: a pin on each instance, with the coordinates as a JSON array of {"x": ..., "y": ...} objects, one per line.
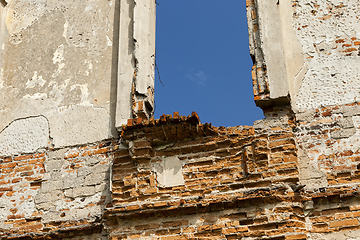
[
  {"x": 333, "y": 82},
  {"x": 84, "y": 93},
  {"x": 22, "y": 200},
  {"x": 58, "y": 58},
  {"x": 169, "y": 172},
  {"x": 109, "y": 42},
  {"x": 1, "y": 78},
  {"x": 90, "y": 67},
  {"x": 343, "y": 235},
  {"x": 62, "y": 62},
  {"x": 322, "y": 148},
  {"x": 69, "y": 192},
  {"x": 19, "y": 17},
  {"x": 88, "y": 8},
  {"x": 35, "y": 96},
  {"x": 79, "y": 124},
  {"x": 31, "y": 83},
  {"x": 66, "y": 25},
  {"x": 24, "y": 136},
  {"x": 58, "y": 91},
  {"x": 333, "y": 78}
]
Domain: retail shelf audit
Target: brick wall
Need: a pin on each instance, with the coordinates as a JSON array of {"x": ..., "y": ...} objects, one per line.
[
  {"x": 236, "y": 183},
  {"x": 286, "y": 177},
  {"x": 55, "y": 190}
]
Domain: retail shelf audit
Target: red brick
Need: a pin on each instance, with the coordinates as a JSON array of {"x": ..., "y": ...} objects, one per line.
[{"x": 347, "y": 222}]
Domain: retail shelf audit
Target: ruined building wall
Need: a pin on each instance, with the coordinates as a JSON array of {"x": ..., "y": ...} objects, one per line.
[
  {"x": 306, "y": 56},
  {"x": 70, "y": 169},
  {"x": 70, "y": 73}
]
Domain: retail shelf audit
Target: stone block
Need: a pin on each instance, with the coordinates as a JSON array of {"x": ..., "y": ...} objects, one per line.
[
  {"x": 53, "y": 165},
  {"x": 42, "y": 198},
  {"x": 95, "y": 178},
  {"x": 69, "y": 193},
  {"x": 71, "y": 181},
  {"x": 56, "y": 195},
  {"x": 92, "y": 160},
  {"x": 84, "y": 171},
  {"x": 351, "y": 111},
  {"x": 83, "y": 191},
  {"x": 100, "y": 168},
  {"x": 343, "y": 133},
  {"x": 307, "y": 116},
  {"x": 82, "y": 213},
  {"x": 57, "y": 154},
  {"x": 169, "y": 172},
  {"x": 49, "y": 186},
  {"x": 346, "y": 122}
]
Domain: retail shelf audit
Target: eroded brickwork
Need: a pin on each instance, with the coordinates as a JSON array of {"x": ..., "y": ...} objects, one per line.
[
  {"x": 236, "y": 182},
  {"x": 71, "y": 171},
  {"x": 55, "y": 189},
  {"x": 175, "y": 178}
]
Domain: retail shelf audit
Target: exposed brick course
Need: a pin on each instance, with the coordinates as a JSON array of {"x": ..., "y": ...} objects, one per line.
[{"x": 239, "y": 182}]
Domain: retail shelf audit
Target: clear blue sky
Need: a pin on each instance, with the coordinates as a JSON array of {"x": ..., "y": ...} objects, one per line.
[{"x": 202, "y": 52}]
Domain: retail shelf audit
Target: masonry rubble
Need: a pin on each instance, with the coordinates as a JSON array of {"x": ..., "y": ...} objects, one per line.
[{"x": 82, "y": 158}]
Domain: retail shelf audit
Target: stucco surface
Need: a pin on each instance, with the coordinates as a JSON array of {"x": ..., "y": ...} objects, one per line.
[
  {"x": 329, "y": 33},
  {"x": 56, "y": 60},
  {"x": 24, "y": 136}
]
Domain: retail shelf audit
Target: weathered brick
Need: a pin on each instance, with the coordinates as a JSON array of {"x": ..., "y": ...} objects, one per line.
[{"x": 347, "y": 222}]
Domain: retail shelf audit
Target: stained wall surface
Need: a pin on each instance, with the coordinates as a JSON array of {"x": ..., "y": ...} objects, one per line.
[
  {"x": 293, "y": 175},
  {"x": 56, "y": 63},
  {"x": 328, "y": 32},
  {"x": 305, "y": 51},
  {"x": 62, "y": 61},
  {"x": 306, "y": 56}
]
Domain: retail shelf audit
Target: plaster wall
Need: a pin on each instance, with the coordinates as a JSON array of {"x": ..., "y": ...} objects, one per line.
[
  {"x": 56, "y": 61},
  {"x": 329, "y": 33},
  {"x": 76, "y": 64},
  {"x": 310, "y": 50}
]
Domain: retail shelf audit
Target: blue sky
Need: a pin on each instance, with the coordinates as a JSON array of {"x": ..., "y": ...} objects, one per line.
[{"x": 202, "y": 52}]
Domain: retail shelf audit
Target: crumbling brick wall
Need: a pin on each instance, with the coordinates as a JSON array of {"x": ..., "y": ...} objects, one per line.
[
  {"x": 231, "y": 182},
  {"x": 175, "y": 178},
  {"x": 293, "y": 175}
]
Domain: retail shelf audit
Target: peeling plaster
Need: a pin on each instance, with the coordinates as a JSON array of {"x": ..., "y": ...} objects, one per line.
[
  {"x": 169, "y": 172},
  {"x": 62, "y": 61},
  {"x": 24, "y": 136},
  {"x": 328, "y": 33},
  {"x": 31, "y": 83}
]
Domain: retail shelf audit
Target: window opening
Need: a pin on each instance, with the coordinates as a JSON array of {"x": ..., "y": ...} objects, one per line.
[{"x": 203, "y": 56}]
